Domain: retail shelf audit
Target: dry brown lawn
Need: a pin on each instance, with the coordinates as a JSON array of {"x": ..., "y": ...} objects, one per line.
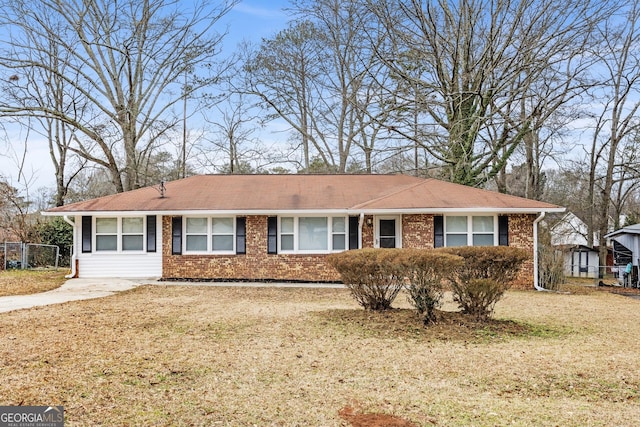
[
  {"x": 221, "y": 356},
  {"x": 22, "y": 282}
]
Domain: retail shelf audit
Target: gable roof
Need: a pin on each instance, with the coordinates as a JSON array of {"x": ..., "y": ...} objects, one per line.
[{"x": 291, "y": 193}]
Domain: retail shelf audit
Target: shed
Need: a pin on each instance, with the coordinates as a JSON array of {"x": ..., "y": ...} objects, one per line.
[{"x": 626, "y": 248}]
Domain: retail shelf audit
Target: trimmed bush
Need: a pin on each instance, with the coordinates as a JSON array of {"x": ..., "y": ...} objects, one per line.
[
  {"x": 426, "y": 271},
  {"x": 374, "y": 276},
  {"x": 484, "y": 277}
]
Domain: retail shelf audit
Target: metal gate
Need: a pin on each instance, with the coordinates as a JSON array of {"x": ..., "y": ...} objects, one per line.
[{"x": 29, "y": 255}]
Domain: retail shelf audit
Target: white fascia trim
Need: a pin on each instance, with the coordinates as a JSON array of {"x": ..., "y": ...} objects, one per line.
[
  {"x": 456, "y": 211},
  {"x": 300, "y": 212}
]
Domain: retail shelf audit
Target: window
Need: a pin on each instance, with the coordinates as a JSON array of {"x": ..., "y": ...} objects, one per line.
[
  {"x": 482, "y": 227},
  {"x": 106, "y": 234},
  {"x": 120, "y": 234},
  {"x": 456, "y": 231},
  {"x": 286, "y": 234},
  {"x": 470, "y": 231},
  {"x": 209, "y": 234},
  {"x": 222, "y": 234},
  {"x": 313, "y": 234},
  {"x": 196, "y": 233},
  {"x": 339, "y": 234},
  {"x": 132, "y": 234}
]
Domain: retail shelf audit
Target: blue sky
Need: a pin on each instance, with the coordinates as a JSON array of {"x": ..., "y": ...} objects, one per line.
[{"x": 255, "y": 19}]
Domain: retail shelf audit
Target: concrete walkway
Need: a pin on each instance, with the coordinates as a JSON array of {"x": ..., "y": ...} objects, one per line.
[
  {"x": 71, "y": 290},
  {"x": 81, "y": 289}
]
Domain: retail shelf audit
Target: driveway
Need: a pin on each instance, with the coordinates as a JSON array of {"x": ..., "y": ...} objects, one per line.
[{"x": 80, "y": 289}]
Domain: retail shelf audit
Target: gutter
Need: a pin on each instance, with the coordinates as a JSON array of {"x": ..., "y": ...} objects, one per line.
[
  {"x": 535, "y": 252},
  {"x": 360, "y": 225},
  {"x": 72, "y": 261}
]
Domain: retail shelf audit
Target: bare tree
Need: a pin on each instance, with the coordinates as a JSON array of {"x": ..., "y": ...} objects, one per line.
[
  {"x": 616, "y": 124},
  {"x": 48, "y": 90},
  {"x": 281, "y": 73},
  {"x": 233, "y": 133},
  {"x": 126, "y": 61},
  {"x": 479, "y": 60},
  {"x": 316, "y": 75},
  {"x": 15, "y": 209}
]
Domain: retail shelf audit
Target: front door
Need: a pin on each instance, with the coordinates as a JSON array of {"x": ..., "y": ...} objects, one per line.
[{"x": 388, "y": 233}]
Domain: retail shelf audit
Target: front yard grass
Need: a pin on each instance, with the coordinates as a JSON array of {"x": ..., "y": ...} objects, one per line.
[
  {"x": 207, "y": 356},
  {"x": 24, "y": 282}
]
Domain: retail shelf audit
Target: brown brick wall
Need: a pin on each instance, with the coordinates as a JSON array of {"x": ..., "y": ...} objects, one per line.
[
  {"x": 367, "y": 232},
  {"x": 417, "y": 230},
  {"x": 521, "y": 236},
  {"x": 255, "y": 265}
]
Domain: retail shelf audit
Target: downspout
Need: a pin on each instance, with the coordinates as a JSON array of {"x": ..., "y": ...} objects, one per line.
[
  {"x": 360, "y": 225},
  {"x": 535, "y": 252},
  {"x": 73, "y": 251}
]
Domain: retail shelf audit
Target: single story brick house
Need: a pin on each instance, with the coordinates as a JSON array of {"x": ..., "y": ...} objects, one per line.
[{"x": 281, "y": 227}]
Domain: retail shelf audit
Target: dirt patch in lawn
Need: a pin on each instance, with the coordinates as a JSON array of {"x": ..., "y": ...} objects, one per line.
[
  {"x": 355, "y": 419},
  {"x": 449, "y": 326}
]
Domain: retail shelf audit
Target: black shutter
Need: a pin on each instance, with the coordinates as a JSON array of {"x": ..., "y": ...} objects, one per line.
[
  {"x": 272, "y": 235},
  {"x": 176, "y": 235},
  {"x": 353, "y": 232},
  {"x": 151, "y": 233},
  {"x": 503, "y": 230},
  {"x": 86, "y": 234},
  {"x": 438, "y": 231},
  {"x": 241, "y": 235}
]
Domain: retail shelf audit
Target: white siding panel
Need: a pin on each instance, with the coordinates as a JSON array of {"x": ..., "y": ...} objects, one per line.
[{"x": 120, "y": 265}]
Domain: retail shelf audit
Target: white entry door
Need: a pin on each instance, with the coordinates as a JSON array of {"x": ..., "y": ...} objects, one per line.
[{"x": 387, "y": 232}]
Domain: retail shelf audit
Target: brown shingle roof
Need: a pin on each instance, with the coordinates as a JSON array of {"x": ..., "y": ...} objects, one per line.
[{"x": 304, "y": 192}]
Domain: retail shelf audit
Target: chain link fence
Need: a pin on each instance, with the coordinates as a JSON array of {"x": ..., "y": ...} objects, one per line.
[{"x": 18, "y": 255}]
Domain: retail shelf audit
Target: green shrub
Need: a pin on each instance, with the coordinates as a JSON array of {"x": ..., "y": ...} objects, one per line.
[
  {"x": 374, "y": 276},
  {"x": 426, "y": 270},
  {"x": 484, "y": 277},
  {"x": 59, "y": 233}
]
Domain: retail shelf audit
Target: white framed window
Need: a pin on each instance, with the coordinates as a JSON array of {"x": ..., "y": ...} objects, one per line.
[
  {"x": 222, "y": 234},
  {"x": 312, "y": 234},
  {"x": 119, "y": 234},
  {"x": 106, "y": 234},
  {"x": 196, "y": 234},
  {"x": 483, "y": 229},
  {"x": 287, "y": 225},
  {"x": 338, "y": 233},
  {"x": 209, "y": 234},
  {"x": 472, "y": 230},
  {"x": 133, "y": 234}
]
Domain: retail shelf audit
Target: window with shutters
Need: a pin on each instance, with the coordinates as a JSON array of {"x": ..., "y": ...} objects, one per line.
[
  {"x": 210, "y": 235},
  {"x": 313, "y": 234},
  {"x": 124, "y": 234},
  {"x": 476, "y": 230}
]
